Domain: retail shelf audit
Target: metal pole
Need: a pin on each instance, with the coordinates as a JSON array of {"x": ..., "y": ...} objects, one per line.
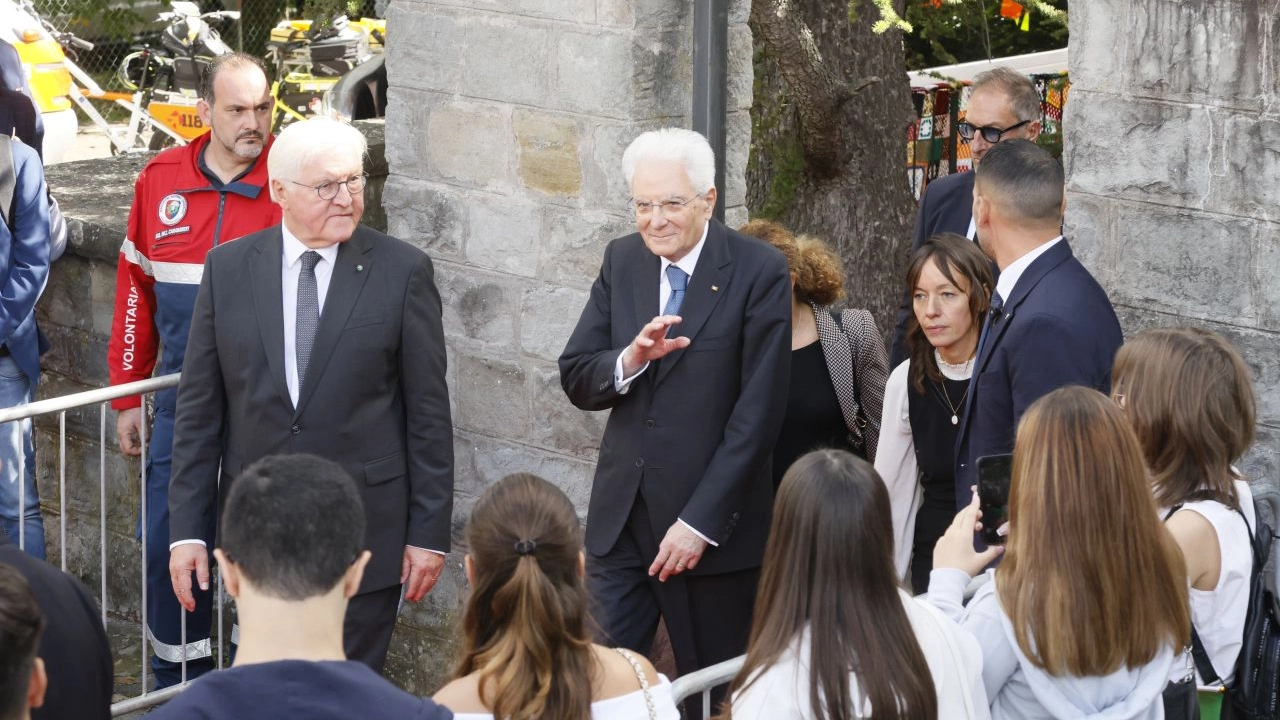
[{"x": 710, "y": 72}]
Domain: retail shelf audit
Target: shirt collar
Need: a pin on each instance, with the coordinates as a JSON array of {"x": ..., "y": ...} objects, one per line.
[
  {"x": 293, "y": 248},
  {"x": 246, "y": 189},
  {"x": 1009, "y": 276},
  {"x": 689, "y": 261}
]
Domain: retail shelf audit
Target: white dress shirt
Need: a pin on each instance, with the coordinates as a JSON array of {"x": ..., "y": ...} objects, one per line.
[
  {"x": 290, "y": 269},
  {"x": 1009, "y": 276}
]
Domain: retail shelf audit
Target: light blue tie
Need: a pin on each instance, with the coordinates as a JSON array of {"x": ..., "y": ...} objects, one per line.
[{"x": 679, "y": 281}]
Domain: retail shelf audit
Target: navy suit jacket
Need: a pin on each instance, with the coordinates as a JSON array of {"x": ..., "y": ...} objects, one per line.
[
  {"x": 945, "y": 206},
  {"x": 694, "y": 433},
  {"x": 1057, "y": 328}
]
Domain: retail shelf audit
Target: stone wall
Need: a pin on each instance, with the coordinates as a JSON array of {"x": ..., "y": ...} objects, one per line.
[
  {"x": 505, "y": 130},
  {"x": 1172, "y": 173},
  {"x": 75, "y": 312}
]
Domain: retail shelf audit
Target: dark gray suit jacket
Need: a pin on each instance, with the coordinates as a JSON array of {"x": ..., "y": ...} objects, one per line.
[
  {"x": 695, "y": 431},
  {"x": 374, "y": 398}
]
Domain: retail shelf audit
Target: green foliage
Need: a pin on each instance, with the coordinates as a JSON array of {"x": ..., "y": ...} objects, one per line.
[
  {"x": 116, "y": 19},
  {"x": 968, "y": 30}
]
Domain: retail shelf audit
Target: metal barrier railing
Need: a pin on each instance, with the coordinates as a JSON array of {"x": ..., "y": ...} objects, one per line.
[
  {"x": 102, "y": 397},
  {"x": 703, "y": 681}
]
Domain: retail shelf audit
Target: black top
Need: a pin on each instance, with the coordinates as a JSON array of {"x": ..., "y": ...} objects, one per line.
[
  {"x": 934, "y": 436},
  {"x": 74, "y": 646},
  {"x": 813, "y": 418},
  {"x": 301, "y": 689}
]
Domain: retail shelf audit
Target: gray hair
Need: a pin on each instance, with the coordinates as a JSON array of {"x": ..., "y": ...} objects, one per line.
[
  {"x": 304, "y": 141},
  {"x": 1025, "y": 179},
  {"x": 674, "y": 145},
  {"x": 1017, "y": 88}
]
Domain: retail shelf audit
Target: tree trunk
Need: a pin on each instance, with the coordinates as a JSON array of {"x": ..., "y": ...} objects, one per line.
[{"x": 828, "y": 150}]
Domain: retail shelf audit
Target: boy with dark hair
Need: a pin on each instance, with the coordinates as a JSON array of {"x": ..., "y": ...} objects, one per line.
[
  {"x": 22, "y": 678},
  {"x": 291, "y": 549}
]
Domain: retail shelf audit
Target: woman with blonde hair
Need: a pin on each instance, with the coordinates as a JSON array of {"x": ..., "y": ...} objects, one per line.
[
  {"x": 834, "y": 636},
  {"x": 950, "y": 286},
  {"x": 1083, "y": 616},
  {"x": 1187, "y": 394},
  {"x": 838, "y": 362},
  {"x": 526, "y": 648}
]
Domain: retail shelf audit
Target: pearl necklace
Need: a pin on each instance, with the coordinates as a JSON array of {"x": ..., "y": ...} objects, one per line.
[{"x": 958, "y": 371}]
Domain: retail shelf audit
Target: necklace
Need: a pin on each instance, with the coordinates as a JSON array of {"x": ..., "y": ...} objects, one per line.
[{"x": 946, "y": 398}]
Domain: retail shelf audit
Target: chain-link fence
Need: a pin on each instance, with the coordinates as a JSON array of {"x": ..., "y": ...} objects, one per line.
[{"x": 116, "y": 26}]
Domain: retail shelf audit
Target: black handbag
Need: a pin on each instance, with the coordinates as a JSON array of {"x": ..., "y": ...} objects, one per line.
[{"x": 1181, "y": 700}]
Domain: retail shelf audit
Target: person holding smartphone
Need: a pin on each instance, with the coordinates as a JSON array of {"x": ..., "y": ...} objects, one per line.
[
  {"x": 950, "y": 283},
  {"x": 1084, "y": 614},
  {"x": 1188, "y": 396}
]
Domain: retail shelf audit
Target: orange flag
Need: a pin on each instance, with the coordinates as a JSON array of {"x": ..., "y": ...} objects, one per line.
[{"x": 1010, "y": 9}]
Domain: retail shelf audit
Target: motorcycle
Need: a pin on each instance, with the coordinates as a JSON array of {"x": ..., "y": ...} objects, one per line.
[{"x": 188, "y": 41}]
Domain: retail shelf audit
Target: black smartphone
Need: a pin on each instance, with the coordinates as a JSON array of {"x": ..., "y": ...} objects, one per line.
[{"x": 994, "y": 472}]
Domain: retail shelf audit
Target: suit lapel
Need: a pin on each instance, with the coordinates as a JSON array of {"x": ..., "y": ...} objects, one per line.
[
  {"x": 709, "y": 281},
  {"x": 645, "y": 290},
  {"x": 350, "y": 270},
  {"x": 265, "y": 269}
]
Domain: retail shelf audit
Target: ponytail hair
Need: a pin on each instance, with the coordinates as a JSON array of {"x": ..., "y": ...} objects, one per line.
[{"x": 525, "y": 624}]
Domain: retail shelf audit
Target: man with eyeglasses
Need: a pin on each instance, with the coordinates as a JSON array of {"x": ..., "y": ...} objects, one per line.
[
  {"x": 186, "y": 201},
  {"x": 321, "y": 336},
  {"x": 1003, "y": 104},
  {"x": 686, "y": 339}
]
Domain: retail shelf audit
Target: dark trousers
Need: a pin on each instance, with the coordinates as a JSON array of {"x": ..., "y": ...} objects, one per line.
[
  {"x": 164, "y": 614},
  {"x": 366, "y": 631},
  {"x": 708, "y": 616}
]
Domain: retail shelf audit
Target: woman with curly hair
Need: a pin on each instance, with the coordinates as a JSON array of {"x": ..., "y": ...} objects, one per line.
[{"x": 838, "y": 362}]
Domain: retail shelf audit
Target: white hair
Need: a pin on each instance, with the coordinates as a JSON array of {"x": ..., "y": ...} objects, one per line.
[
  {"x": 674, "y": 145},
  {"x": 302, "y": 142}
]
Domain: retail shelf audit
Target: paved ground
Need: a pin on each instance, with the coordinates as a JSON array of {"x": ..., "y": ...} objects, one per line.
[{"x": 90, "y": 143}]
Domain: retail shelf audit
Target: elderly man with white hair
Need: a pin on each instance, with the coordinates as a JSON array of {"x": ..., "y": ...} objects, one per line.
[
  {"x": 321, "y": 336},
  {"x": 686, "y": 339}
]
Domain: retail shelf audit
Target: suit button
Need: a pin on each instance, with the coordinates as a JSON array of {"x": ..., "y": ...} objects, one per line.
[
  {"x": 295, "y": 429},
  {"x": 650, "y": 423},
  {"x": 639, "y": 462}
]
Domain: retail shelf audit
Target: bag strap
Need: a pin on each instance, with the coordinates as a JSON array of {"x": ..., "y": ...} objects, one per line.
[
  {"x": 1203, "y": 665},
  {"x": 8, "y": 180},
  {"x": 644, "y": 681}
]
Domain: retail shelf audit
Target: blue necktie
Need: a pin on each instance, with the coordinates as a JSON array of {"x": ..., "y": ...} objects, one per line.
[{"x": 679, "y": 281}]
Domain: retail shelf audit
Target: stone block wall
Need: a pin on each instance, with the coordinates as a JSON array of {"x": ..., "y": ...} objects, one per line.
[
  {"x": 1171, "y": 156},
  {"x": 506, "y": 124}
]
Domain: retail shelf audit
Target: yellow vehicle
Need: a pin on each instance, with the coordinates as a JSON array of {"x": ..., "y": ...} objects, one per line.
[{"x": 44, "y": 62}]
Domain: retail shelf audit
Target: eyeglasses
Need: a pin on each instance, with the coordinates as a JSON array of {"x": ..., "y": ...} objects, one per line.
[
  {"x": 668, "y": 207},
  {"x": 990, "y": 134},
  {"x": 329, "y": 190}
]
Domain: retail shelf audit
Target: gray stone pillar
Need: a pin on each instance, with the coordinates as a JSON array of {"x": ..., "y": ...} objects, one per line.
[
  {"x": 505, "y": 130},
  {"x": 1173, "y": 177}
]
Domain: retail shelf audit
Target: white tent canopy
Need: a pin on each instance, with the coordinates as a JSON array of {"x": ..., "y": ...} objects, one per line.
[{"x": 1050, "y": 61}]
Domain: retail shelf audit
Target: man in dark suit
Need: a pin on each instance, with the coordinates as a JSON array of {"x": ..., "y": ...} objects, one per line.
[
  {"x": 1003, "y": 105},
  {"x": 686, "y": 339},
  {"x": 74, "y": 649},
  {"x": 324, "y": 337},
  {"x": 1051, "y": 324}
]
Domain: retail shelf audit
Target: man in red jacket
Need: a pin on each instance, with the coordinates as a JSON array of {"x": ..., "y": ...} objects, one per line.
[{"x": 186, "y": 201}]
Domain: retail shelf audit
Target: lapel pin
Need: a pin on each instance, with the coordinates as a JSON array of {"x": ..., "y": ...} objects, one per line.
[
  {"x": 359, "y": 268},
  {"x": 715, "y": 288}
]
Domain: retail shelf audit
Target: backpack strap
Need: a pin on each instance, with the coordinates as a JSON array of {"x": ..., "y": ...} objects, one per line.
[
  {"x": 8, "y": 180},
  {"x": 1203, "y": 665}
]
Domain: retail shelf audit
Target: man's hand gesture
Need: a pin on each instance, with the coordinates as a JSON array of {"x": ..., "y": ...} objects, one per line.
[{"x": 652, "y": 344}]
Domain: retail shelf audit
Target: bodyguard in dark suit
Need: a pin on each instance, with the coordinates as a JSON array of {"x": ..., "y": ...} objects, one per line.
[
  {"x": 1051, "y": 323},
  {"x": 1003, "y": 105},
  {"x": 77, "y": 658},
  {"x": 321, "y": 336},
  {"x": 686, "y": 339}
]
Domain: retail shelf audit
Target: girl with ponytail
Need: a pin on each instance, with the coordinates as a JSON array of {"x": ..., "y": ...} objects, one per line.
[{"x": 526, "y": 648}]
